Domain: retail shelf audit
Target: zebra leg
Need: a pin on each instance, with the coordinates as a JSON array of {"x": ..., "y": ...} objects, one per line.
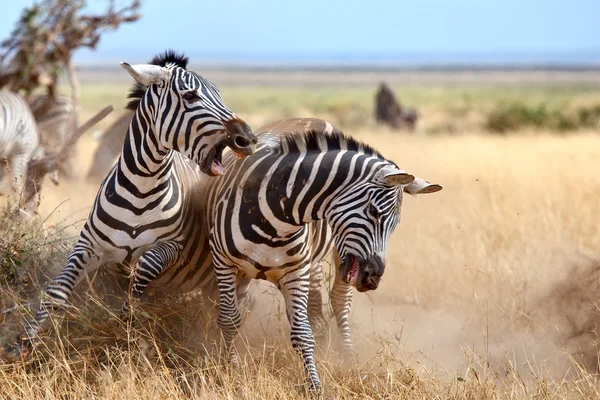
[
  {"x": 148, "y": 267},
  {"x": 230, "y": 318},
  {"x": 295, "y": 287},
  {"x": 341, "y": 300},
  {"x": 315, "y": 299},
  {"x": 81, "y": 260},
  {"x": 18, "y": 169}
]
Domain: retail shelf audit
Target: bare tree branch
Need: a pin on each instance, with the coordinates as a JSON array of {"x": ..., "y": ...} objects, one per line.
[{"x": 42, "y": 44}]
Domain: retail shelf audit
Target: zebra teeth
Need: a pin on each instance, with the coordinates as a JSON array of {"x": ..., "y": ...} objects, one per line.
[
  {"x": 238, "y": 155},
  {"x": 216, "y": 168}
]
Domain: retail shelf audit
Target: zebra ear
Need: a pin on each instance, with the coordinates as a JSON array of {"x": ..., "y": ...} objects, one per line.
[
  {"x": 421, "y": 186},
  {"x": 147, "y": 74},
  {"x": 394, "y": 177}
]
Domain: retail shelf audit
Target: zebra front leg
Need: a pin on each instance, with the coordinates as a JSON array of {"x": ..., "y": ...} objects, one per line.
[
  {"x": 147, "y": 268},
  {"x": 341, "y": 300},
  {"x": 295, "y": 287},
  {"x": 81, "y": 260},
  {"x": 230, "y": 318}
]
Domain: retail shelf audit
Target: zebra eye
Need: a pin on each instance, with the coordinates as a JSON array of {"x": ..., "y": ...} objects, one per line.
[
  {"x": 191, "y": 96},
  {"x": 374, "y": 211}
]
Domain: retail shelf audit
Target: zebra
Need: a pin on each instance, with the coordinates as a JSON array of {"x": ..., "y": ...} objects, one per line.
[
  {"x": 19, "y": 144},
  {"x": 53, "y": 158},
  {"x": 56, "y": 117},
  {"x": 261, "y": 219},
  {"x": 109, "y": 147},
  {"x": 143, "y": 217}
]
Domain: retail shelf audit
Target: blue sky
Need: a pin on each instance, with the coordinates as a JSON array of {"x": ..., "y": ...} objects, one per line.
[{"x": 254, "y": 30}]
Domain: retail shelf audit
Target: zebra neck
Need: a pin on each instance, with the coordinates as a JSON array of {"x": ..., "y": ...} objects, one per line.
[{"x": 143, "y": 159}]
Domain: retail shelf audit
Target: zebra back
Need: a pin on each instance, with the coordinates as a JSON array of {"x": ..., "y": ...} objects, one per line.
[{"x": 18, "y": 129}]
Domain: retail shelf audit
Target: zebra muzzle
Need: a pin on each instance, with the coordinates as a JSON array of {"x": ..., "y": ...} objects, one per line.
[{"x": 363, "y": 274}]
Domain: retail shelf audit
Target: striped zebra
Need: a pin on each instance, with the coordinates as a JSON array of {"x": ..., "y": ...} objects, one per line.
[
  {"x": 143, "y": 218},
  {"x": 19, "y": 144},
  {"x": 262, "y": 221}
]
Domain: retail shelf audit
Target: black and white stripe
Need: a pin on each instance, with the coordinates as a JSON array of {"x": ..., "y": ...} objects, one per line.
[
  {"x": 19, "y": 144},
  {"x": 273, "y": 216},
  {"x": 143, "y": 214}
]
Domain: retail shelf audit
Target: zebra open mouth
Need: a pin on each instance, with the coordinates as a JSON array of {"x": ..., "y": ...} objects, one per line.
[
  {"x": 216, "y": 166},
  {"x": 353, "y": 270},
  {"x": 213, "y": 163}
]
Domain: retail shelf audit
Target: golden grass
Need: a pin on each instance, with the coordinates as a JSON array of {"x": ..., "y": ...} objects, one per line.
[{"x": 490, "y": 292}]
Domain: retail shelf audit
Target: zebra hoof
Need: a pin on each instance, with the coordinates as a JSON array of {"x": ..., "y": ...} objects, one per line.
[
  {"x": 348, "y": 359},
  {"x": 315, "y": 390},
  {"x": 234, "y": 360}
]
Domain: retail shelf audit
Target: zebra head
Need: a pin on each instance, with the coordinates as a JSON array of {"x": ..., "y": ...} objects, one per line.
[
  {"x": 364, "y": 220},
  {"x": 187, "y": 113}
]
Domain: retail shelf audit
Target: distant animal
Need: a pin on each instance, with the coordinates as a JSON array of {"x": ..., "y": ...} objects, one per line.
[
  {"x": 388, "y": 110},
  {"x": 279, "y": 211},
  {"x": 143, "y": 218}
]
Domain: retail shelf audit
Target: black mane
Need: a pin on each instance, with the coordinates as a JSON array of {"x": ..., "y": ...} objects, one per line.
[
  {"x": 169, "y": 57},
  {"x": 334, "y": 140}
]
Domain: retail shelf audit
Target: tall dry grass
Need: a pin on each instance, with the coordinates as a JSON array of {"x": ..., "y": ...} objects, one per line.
[{"x": 490, "y": 292}]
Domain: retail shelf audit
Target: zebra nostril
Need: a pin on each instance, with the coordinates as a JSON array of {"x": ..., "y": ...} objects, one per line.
[{"x": 241, "y": 142}]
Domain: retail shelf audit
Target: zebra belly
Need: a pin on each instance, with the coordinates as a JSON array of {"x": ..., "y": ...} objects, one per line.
[
  {"x": 270, "y": 267},
  {"x": 271, "y": 274}
]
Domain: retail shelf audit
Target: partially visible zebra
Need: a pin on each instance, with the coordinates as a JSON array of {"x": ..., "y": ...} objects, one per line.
[
  {"x": 19, "y": 144},
  {"x": 143, "y": 214},
  {"x": 57, "y": 121},
  {"x": 262, "y": 218},
  {"x": 109, "y": 147}
]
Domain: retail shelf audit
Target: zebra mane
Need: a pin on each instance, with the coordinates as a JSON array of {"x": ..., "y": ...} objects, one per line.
[
  {"x": 316, "y": 140},
  {"x": 167, "y": 58}
]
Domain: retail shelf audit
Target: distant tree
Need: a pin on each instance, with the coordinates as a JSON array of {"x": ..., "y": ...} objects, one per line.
[{"x": 42, "y": 44}]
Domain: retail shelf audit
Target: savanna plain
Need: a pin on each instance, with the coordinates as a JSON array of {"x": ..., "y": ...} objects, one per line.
[{"x": 491, "y": 285}]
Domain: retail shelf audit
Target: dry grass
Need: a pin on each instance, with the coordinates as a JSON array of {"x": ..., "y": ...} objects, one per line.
[{"x": 490, "y": 293}]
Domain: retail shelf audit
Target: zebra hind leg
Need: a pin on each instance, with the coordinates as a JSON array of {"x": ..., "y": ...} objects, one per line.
[
  {"x": 295, "y": 288},
  {"x": 81, "y": 260},
  {"x": 148, "y": 267},
  {"x": 315, "y": 301},
  {"x": 246, "y": 298}
]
